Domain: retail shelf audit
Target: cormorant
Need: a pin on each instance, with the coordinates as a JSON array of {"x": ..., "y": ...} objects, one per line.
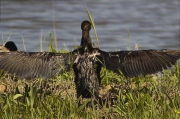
[
  {"x": 8, "y": 46},
  {"x": 87, "y": 62}
]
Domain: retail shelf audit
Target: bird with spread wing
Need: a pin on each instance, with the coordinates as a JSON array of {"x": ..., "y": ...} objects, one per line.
[{"x": 87, "y": 62}]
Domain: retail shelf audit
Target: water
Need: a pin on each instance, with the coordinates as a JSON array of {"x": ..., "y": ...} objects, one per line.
[{"x": 152, "y": 24}]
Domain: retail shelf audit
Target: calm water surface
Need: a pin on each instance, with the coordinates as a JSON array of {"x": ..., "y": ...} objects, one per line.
[{"x": 152, "y": 24}]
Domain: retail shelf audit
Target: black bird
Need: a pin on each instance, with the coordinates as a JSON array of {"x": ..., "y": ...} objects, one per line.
[
  {"x": 87, "y": 62},
  {"x": 8, "y": 46}
]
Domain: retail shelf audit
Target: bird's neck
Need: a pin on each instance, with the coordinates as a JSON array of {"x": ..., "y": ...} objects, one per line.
[{"x": 86, "y": 39}]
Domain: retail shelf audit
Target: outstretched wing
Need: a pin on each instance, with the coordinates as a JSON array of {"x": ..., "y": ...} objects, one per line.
[
  {"x": 31, "y": 65},
  {"x": 142, "y": 62}
]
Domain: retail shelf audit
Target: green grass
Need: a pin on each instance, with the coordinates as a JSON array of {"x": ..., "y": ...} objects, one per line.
[{"x": 150, "y": 97}]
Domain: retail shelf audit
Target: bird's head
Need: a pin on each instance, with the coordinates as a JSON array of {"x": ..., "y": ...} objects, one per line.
[
  {"x": 10, "y": 45},
  {"x": 86, "y": 25}
]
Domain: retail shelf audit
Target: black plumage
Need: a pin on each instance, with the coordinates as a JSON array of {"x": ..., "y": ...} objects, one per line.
[
  {"x": 8, "y": 46},
  {"x": 87, "y": 62},
  {"x": 31, "y": 65}
]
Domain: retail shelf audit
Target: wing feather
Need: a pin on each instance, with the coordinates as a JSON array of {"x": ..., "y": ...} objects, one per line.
[
  {"x": 140, "y": 62},
  {"x": 34, "y": 64}
]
